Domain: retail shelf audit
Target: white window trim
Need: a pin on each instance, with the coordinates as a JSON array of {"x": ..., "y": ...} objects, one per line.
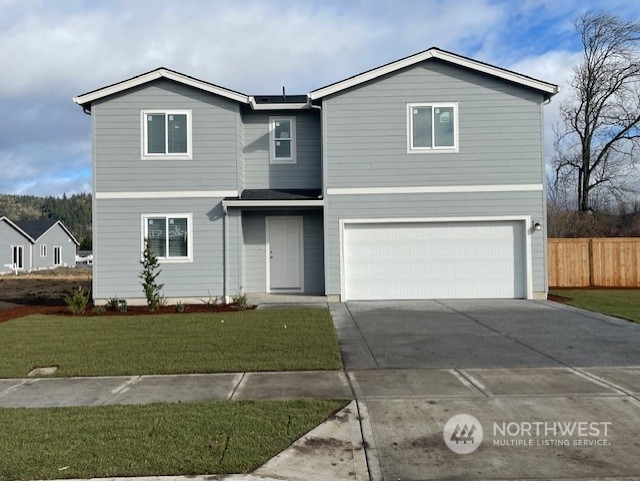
[
  {"x": 425, "y": 150},
  {"x": 59, "y": 248},
  {"x": 43, "y": 250},
  {"x": 143, "y": 135},
  {"x": 15, "y": 264},
  {"x": 272, "y": 146},
  {"x": 170, "y": 260}
]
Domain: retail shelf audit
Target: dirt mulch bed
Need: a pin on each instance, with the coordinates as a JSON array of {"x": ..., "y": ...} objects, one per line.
[{"x": 60, "y": 310}]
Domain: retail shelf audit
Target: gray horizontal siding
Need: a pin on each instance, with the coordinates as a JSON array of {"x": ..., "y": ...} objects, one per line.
[
  {"x": 254, "y": 242},
  {"x": 118, "y": 241},
  {"x": 10, "y": 237},
  {"x": 117, "y": 138},
  {"x": 261, "y": 174},
  {"x": 500, "y": 137},
  {"x": 397, "y": 206},
  {"x": 54, "y": 237}
]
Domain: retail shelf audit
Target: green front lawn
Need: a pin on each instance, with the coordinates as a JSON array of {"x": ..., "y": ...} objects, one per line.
[
  {"x": 261, "y": 340},
  {"x": 623, "y": 303},
  {"x": 155, "y": 439}
]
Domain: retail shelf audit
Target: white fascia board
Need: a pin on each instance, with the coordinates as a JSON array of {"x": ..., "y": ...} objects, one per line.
[
  {"x": 546, "y": 87},
  {"x": 20, "y": 231},
  {"x": 167, "y": 195},
  {"x": 273, "y": 203},
  {"x": 277, "y": 106},
  {"x": 63, "y": 227},
  {"x": 435, "y": 189},
  {"x": 154, "y": 75}
]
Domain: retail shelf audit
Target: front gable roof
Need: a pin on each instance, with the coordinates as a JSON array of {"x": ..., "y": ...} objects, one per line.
[
  {"x": 547, "y": 89},
  {"x": 15, "y": 227},
  {"x": 32, "y": 230},
  {"x": 158, "y": 73}
]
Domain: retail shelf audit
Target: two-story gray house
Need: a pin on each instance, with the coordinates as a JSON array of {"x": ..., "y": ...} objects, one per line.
[{"x": 422, "y": 178}]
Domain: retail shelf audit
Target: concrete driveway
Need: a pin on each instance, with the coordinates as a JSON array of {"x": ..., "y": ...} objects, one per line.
[
  {"x": 479, "y": 333},
  {"x": 511, "y": 365}
]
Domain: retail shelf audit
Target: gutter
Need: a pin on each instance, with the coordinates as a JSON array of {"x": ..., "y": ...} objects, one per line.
[{"x": 225, "y": 254}]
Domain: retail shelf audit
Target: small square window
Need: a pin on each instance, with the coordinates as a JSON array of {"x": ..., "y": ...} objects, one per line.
[
  {"x": 166, "y": 134},
  {"x": 432, "y": 127},
  {"x": 169, "y": 236}
]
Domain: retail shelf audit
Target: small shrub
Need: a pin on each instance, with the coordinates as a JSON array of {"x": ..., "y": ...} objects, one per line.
[
  {"x": 113, "y": 303},
  {"x": 77, "y": 303},
  {"x": 98, "y": 310},
  {"x": 181, "y": 307},
  {"x": 122, "y": 305},
  {"x": 211, "y": 301},
  {"x": 150, "y": 271},
  {"x": 240, "y": 300}
]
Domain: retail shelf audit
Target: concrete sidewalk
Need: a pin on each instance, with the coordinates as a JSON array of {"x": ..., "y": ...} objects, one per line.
[{"x": 97, "y": 391}]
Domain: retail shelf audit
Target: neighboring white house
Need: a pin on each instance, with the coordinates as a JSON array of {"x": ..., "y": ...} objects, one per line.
[{"x": 28, "y": 245}]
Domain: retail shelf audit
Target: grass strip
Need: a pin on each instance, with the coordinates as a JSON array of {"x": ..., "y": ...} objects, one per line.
[
  {"x": 624, "y": 303},
  {"x": 287, "y": 339},
  {"x": 218, "y": 437}
]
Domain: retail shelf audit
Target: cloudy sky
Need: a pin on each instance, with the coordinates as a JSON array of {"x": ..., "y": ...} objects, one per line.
[{"x": 53, "y": 50}]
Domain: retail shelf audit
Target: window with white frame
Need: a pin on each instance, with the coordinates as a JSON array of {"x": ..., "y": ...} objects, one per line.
[
  {"x": 57, "y": 255},
  {"x": 166, "y": 134},
  {"x": 43, "y": 250},
  {"x": 17, "y": 257},
  {"x": 170, "y": 237},
  {"x": 432, "y": 127},
  {"x": 282, "y": 140}
]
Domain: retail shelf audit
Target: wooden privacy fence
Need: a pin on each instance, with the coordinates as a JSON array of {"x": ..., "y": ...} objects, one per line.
[{"x": 596, "y": 262}]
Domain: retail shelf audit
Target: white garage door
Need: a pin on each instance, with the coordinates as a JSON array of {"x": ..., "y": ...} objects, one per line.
[{"x": 429, "y": 260}]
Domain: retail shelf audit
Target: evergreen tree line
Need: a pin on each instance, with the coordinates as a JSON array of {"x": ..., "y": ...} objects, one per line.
[{"x": 74, "y": 212}]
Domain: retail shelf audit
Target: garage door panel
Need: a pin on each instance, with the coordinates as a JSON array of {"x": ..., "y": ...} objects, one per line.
[{"x": 434, "y": 260}]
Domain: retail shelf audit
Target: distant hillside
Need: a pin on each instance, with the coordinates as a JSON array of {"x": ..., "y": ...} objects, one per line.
[{"x": 73, "y": 211}]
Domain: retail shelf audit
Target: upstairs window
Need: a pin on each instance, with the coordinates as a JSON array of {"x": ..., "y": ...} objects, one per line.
[
  {"x": 166, "y": 134},
  {"x": 432, "y": 127},
  {"x": 43, "y": 250},
  {"x": 282, "y": 140},
  {"x": 169, "y": 236}
]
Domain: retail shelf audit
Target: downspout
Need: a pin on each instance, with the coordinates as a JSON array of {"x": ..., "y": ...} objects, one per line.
[{"x": 225, "y": 256}]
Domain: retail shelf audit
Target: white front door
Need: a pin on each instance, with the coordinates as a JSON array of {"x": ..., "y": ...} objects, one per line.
[{"x": 284, "y": 253}]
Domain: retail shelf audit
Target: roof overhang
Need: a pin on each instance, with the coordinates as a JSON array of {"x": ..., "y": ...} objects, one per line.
[
  {"x": 546, "y": 88},
  {"x": 273, "y": 203},
  {"x": 159, "y": 73},
  {"x": 277, "y": 106},
  {"x": 17, "y": 229}
]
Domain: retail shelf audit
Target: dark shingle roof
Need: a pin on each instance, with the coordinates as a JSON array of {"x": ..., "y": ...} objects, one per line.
[
  {"x": 279, "y": 194},
  {"x": 35, "y": 228}
]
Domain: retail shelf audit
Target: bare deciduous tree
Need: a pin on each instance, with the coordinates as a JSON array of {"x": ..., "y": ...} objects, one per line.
[{"x": 597, "y": 140}]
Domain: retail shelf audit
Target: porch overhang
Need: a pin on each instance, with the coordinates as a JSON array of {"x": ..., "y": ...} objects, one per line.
[{"x": 276, "y": 198}]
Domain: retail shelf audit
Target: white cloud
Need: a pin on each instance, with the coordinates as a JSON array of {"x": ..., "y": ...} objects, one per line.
[{"x": 52, "y": 51}]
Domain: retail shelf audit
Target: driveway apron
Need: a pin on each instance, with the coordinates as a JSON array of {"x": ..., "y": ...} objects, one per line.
[{"x": 512, "y": 365}]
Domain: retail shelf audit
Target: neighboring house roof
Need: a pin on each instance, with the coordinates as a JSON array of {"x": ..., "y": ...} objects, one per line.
[
  {"x": 548, "y": 89},
  {"x": 158, "y": 73},
  {"x": 13, "y": 225},
  {"x": 34, "y": 229}
]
